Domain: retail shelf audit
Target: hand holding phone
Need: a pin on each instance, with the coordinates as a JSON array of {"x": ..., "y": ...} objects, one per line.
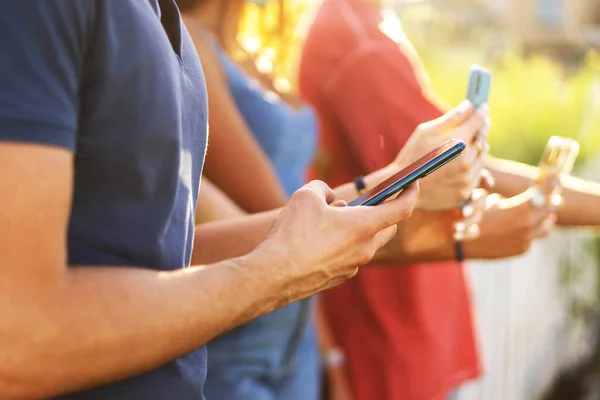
[
  {"x": 559, "y": 156},
  {"x": 558, "y": 159},
  {"x": 417, "y": 170}
]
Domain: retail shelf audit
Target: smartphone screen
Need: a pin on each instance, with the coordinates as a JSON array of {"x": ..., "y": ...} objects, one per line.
[{"x": 417, "y": 170}]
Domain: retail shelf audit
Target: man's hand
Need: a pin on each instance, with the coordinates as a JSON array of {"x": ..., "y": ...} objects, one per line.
[
  {"x": 324, "y": 244},
  {"x": 454, "y": 183}
]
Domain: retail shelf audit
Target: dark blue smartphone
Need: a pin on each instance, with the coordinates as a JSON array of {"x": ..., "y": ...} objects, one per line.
[
  {"x": 480, "y": 82},
  {"x": 417, "y": 170}
]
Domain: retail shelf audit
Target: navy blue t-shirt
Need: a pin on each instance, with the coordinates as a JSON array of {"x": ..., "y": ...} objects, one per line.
[{"x": 126, "y": 94}]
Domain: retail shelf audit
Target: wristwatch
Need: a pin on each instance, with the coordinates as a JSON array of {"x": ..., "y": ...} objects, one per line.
[{"x": 334, "y": 358}]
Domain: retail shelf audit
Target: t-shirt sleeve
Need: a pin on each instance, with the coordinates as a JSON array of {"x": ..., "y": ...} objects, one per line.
[
  {"x": 42, "y": 50},
  {"x": 379, "y": 100}
]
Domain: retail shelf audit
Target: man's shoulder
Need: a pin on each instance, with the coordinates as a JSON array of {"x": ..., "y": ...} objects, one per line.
[{"x": 46, "y": 10}]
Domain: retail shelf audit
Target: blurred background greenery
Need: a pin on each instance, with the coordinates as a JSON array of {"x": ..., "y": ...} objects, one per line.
[{"x": 535, "y": 94}]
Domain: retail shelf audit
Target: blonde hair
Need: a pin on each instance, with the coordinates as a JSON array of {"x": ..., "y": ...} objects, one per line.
[{"x": 270, "y": 34}]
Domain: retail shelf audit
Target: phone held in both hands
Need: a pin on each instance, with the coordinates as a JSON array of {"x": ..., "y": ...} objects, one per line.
[
  {"x": 417, "y": 170},
  {"x": 478, "y": 89},
  {"x": 559, "y": 158}
]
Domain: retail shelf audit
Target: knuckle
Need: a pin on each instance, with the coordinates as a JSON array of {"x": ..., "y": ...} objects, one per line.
[
  {"x": 403, "y": 213},
  {"x": 422, "y": 128},
  {"x": 352, "y": 273},
  {"x": 364, "y": 255},
  {"x": 302, "y": 194}
]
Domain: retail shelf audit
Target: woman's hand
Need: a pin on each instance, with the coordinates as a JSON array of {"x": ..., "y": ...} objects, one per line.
[
  {"x": 510, "y": 225},
  {"x": 470, "y": 215},
  {"x": 454, "y": 183}
]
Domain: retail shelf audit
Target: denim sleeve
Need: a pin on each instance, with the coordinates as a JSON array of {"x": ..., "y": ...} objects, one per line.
[{"x": 42, "y": 50}]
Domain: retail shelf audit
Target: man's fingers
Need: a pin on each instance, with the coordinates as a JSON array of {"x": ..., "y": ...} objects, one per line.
[
  {"x": 323, "y": 192},
  {"x": 339, "y": 203},
  {"x": 382, "y": 237},
  {"x": 393, "y": 211}
]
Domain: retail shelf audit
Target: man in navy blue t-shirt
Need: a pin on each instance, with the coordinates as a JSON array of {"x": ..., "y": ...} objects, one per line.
[{"x": 103, "y": 128}]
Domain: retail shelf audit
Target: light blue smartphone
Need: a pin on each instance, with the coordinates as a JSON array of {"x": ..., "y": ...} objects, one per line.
[{"x": 480, "y": 82}]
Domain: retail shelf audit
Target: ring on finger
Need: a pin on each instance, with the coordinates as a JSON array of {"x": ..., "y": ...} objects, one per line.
[
  {"x": 467, "y": 210},
  {"x": 459, "y": 231}
]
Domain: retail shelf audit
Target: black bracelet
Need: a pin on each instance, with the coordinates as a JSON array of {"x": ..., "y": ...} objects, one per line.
[
  {"x": 458, "y": 251},
  {"x": 360, "y": 185}
]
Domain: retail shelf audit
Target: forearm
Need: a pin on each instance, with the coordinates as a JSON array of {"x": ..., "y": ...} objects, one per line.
[
  {"x": 107, "y": 324},
  {"x": 234, "y": 237},
  {"x": 216, "y": 241},
  {"x": 214, "y": 205},
  {"x": 581, "y": 198}
]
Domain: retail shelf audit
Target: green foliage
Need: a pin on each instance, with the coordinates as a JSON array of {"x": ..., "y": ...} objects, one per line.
[{"x": 531, "y": 99}]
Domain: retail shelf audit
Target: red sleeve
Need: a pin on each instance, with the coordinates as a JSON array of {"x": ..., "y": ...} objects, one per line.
[{"x": 378, "y": 100}]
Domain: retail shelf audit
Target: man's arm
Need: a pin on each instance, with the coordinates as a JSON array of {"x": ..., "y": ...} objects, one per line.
[
  {"x": 78, "y": 322},
  {"x": 62, "y": 328},
  {"x": 239, "y": 235},
  {"x": 66, "y": 328},
  {"x": 581, "y": 198}
]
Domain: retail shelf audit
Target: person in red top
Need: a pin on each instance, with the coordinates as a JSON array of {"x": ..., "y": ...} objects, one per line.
[{"x": 407, "y": 333}]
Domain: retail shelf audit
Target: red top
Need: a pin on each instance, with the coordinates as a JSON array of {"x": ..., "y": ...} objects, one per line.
[{"x": 407, "y": 332}]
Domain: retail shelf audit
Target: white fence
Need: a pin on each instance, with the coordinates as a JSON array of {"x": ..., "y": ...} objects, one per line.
[{"x": 523, "y": 309}]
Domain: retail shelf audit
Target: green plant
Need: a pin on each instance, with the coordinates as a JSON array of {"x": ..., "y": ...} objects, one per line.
[{"x": 531, "y": 100}]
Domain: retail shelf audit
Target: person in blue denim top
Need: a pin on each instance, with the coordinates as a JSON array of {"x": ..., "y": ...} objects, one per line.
[
  {"x": 275, "y": 356},
  {"x": 280, "y": 347}
]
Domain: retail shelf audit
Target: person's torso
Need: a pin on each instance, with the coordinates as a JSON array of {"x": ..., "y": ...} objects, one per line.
[
  {"x": 263, "y": 352},
  {"x": 287, "y": 135},
  {"x": 138, "y": 159},
  {"x": 407, "y": 330}
]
